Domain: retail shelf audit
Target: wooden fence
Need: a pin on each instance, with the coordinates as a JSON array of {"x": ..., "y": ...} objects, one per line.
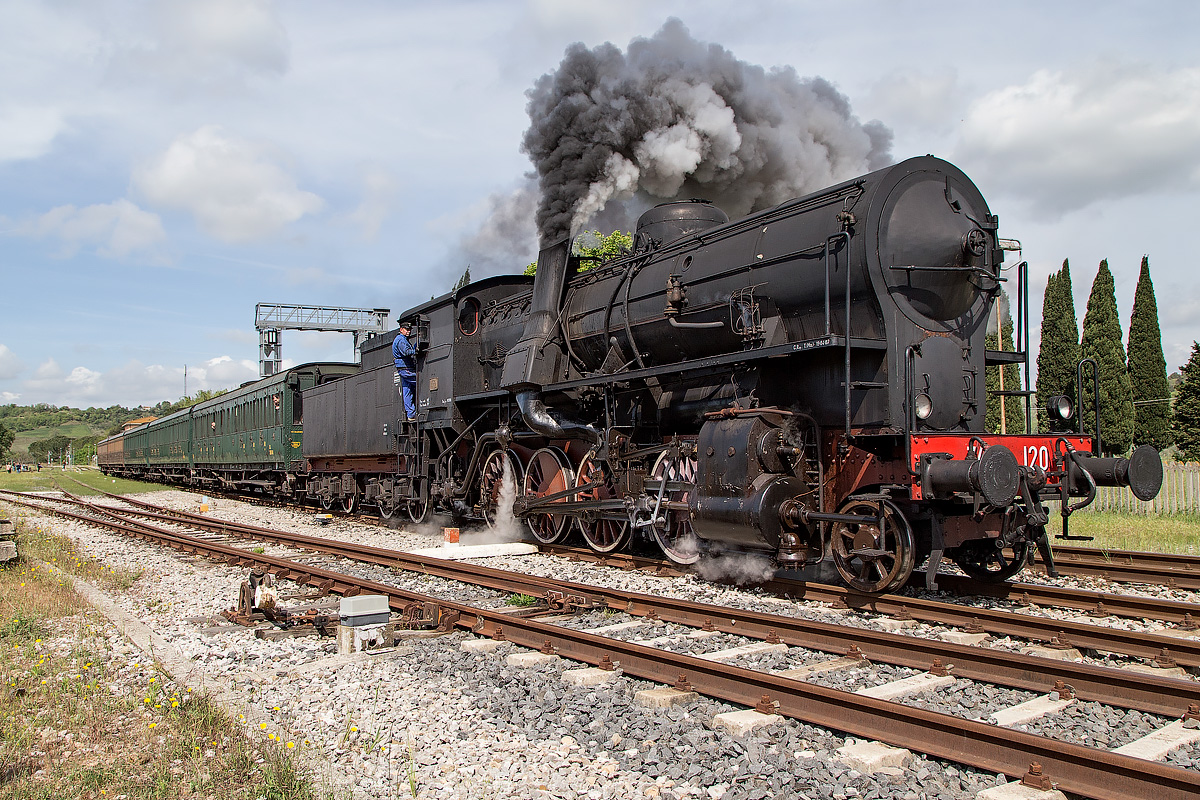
[{"x": 1180, "y": 494}]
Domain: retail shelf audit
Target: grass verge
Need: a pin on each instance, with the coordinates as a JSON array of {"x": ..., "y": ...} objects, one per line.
[
  {"x": 94, "y": 482},
  {"x": 78, "y": 720},
  {"x": 1175, "y": 533},
  {"x": 35, "y": 543}
]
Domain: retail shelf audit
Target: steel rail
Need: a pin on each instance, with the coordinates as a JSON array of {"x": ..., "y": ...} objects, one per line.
[
  {"x": 1002, "y": 622},
  {"x": 1174, "y": 561},
  {"x": 1098, "y": 604},
  {"x": 1139, "y": 645},
  {"x": 1123, "y": 572},
  {"x": 1086, "y": 771},
  {"x": 1159, "y": 695}
]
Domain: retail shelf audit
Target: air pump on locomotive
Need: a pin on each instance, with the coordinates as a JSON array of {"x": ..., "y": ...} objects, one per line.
[{"x": 806, "y": 383}]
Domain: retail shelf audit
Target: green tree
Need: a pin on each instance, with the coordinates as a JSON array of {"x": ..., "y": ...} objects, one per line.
[
  {"x": 1102, "y": 343},
  {"x": 1185, "y": 416},
  {"x": 464, "y": 280},
  {"x": 44, "y": 449},
  {"x": 1058, "y": 355},
  {"x": 594, "y": 248},
  {"x": 1006, "y": 377},
  {"x": 6, "y": 440},
  {"x": 1148, "y": 368}
]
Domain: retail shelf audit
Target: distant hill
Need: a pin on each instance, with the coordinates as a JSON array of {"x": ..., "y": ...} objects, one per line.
[{"x": 83, "y": 426}]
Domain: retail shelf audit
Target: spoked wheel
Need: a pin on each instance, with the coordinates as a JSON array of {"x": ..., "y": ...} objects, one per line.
[
  {"x": 676, "y": 538},
  {"x": 348, "y": 503},
  {"x": 548, "y": 472},
  {"x": 491, "y": 484},
  {"x": 602, "y": 535},
  {"x": 870, "y": 559},
  {"x": 326, "y": 503},
  {"x": 984, "y": 561},
  {"x": 418, "y": 509}
]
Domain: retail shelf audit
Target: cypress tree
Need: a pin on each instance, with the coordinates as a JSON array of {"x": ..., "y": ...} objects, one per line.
[
  {"x": 1185, "y": 417},
  {"x": 1058, "y": 354},
  {"x": 1148, "y": 368},
  {"x": 1102, "y": 342},
  {"x": 464, "y": 280},
  {"x": 1014, "y": 407}
]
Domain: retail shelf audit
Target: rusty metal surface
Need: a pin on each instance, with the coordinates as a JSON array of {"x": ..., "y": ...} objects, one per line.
[
  {"x": 1081, "y": 770},
  {"x": 1004, "y": 622},
  {"x": 1098, "y": 604},
  {"x": 1126, "y": 566},
  {"x": 1178, "y": 561},
  {"x": 1092, "y": 773}
]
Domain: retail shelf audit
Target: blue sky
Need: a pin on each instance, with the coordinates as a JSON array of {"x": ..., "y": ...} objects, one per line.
[{"x": 165, "y": 166}]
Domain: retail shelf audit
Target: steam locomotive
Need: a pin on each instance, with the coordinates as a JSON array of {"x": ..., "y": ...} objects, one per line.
[{"x": 806, "y": 383}]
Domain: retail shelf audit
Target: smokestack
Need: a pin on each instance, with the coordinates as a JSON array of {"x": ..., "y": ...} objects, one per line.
[{"x": 536, "y": 360}]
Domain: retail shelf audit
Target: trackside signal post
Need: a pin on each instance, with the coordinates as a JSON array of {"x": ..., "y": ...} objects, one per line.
[{"x": 271, "y": 319}]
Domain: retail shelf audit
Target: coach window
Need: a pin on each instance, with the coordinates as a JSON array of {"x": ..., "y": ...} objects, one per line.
[{"x": 297, "y": 408}]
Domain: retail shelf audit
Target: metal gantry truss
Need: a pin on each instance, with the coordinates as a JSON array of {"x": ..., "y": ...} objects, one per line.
[{"x": 271, "y": 319}]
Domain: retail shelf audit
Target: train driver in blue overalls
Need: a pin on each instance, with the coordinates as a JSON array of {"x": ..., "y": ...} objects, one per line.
[{"x": 405, "y": 355}]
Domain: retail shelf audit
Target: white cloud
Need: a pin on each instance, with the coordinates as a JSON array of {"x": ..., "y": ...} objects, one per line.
[
  {"x": 204, "y": 44},
  {"x": 224, "y": 372},
  {"x": 10, "y": 365},
  {"x": 114, "y": 230},
  {"x": 232, "y": 187},
  {"x": 911, "y": 99},
  {"x": 9, "y": 397},
  {"x": 27, "y": 131},
  {"x": 379, "y": 190},
  {"x": 132, "y": 383},
  {"x": 1066, "y": 140}
]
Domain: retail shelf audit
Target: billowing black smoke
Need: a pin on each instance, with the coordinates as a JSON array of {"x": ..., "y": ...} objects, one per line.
[{"x": 674, "y": 117}]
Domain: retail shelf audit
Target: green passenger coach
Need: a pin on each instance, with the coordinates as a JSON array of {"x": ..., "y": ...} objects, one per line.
[{"x": 247, "y": 439}]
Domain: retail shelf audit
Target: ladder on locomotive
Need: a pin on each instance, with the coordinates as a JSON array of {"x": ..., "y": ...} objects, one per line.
[{"x": 410, "y": 450}]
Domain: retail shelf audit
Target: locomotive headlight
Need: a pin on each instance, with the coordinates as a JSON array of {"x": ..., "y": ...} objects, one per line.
[
  {"x": 922, "y": 405},
  {"x": 1060, "y": 408}
]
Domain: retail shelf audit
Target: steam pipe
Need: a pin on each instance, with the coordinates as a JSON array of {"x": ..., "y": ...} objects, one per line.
[{"x": 538, "y": 418}]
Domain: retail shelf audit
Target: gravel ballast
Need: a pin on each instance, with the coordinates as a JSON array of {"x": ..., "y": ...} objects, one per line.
[{"x": 464, "y": 725}]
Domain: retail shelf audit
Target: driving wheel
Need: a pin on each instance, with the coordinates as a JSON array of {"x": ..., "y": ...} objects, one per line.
[
  {"x": 601, "y": 535},
  {"x": 548, "y": 473},
  {"x": 876, "y": 554},
  {"x": 500, "y": 468},
  {"x": 675, "y": 537},
  {"x": 984, "y": 561}
]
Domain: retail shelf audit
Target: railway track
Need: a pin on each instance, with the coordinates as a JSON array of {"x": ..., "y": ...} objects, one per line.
[
  {"x": 904, "y": 650},
  {"x": 1075, "y": 768},
  {"x": 1129, "y": 566}
]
